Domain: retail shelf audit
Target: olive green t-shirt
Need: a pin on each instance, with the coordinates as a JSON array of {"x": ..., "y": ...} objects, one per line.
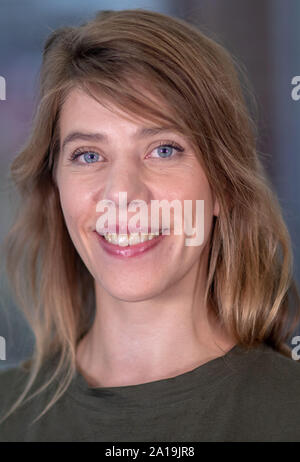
[{"x": 245, "y": 395}]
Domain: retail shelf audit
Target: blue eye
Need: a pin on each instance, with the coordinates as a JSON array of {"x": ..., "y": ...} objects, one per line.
[
  {"x": 164, "y": 148},
  {"x": 165, "y": 151},
  {"x": 90, "y": 156}
]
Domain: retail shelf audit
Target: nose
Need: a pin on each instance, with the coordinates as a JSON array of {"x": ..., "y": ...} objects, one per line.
[{"x": 125, "y": 176}]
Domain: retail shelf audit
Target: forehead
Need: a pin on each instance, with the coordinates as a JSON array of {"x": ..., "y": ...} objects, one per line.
[{"x": 82, "y": 109}]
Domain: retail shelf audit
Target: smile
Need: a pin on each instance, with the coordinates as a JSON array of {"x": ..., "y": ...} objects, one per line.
[
  {"x": 125, "y": 240},
  {"x": 128, "y": 245}
]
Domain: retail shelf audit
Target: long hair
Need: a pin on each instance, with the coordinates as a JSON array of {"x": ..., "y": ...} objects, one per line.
[{"x": 250, "y": 269}]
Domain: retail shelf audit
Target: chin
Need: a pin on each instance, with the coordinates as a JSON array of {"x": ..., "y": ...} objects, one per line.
[{"x": 129, "y": 292}]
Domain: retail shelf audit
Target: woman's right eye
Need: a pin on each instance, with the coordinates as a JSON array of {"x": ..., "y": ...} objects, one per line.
[{"x": 89, "y": 157}]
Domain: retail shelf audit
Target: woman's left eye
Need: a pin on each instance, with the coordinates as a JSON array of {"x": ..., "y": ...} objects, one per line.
[{"x": 165, "y": 151}]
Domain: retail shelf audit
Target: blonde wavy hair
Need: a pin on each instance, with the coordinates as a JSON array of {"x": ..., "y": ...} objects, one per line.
[{"x": 250, "y": 285}]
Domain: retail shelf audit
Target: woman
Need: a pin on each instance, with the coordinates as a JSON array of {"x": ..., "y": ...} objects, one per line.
[{"x": 147, "y": 338}]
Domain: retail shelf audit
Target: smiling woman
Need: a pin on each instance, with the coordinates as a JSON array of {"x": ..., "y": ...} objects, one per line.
[{"x": 140, "y": 337}]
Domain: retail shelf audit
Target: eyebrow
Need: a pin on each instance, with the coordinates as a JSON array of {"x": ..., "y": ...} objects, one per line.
[{"x": 140, "y": 133}]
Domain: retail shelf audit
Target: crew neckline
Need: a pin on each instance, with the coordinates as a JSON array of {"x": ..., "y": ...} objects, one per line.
[{"x": 163, "y": 391}]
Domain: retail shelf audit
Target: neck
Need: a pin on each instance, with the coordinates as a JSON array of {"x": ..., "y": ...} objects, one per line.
[{"x": 138, "y": 342}]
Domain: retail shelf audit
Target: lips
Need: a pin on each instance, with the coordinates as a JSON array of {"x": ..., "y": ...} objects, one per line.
[{"x": 129, "y": 251}]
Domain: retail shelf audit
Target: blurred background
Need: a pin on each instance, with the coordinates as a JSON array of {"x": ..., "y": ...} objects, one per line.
[{"x": 264, "y": 37}]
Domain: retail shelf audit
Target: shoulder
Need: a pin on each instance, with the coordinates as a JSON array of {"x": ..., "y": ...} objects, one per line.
[
  {"x": 267, "y": 363},
  {"x": 13, "y": 377},
  {"x": 266, "y": 367},
  {"x": 264, "y": 386},
  {"x": 13, "y": 382}
]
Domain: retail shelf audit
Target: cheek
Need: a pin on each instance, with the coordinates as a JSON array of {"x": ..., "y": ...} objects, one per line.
[
  {"x": 208, "y": 212},
  {"x": 198, "y": 189},
  {"x": 75, "y": 205},
  {"x": 193, "y": 188}
]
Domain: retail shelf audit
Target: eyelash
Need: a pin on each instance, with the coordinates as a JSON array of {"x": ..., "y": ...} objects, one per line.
[{"x": 168, "y": 144}]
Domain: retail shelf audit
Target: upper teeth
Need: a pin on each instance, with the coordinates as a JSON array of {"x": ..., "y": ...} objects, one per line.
[{"x": 128, "y": 239}]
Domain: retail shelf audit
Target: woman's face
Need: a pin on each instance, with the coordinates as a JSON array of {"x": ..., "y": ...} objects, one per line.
[{"x": 139, "y": 166}]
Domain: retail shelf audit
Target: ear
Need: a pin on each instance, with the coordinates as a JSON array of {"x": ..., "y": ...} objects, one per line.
[{"x": 216, "y": 208}]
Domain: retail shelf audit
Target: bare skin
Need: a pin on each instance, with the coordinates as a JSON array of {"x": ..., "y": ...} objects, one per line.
[{"x": 146, "y": 327}]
